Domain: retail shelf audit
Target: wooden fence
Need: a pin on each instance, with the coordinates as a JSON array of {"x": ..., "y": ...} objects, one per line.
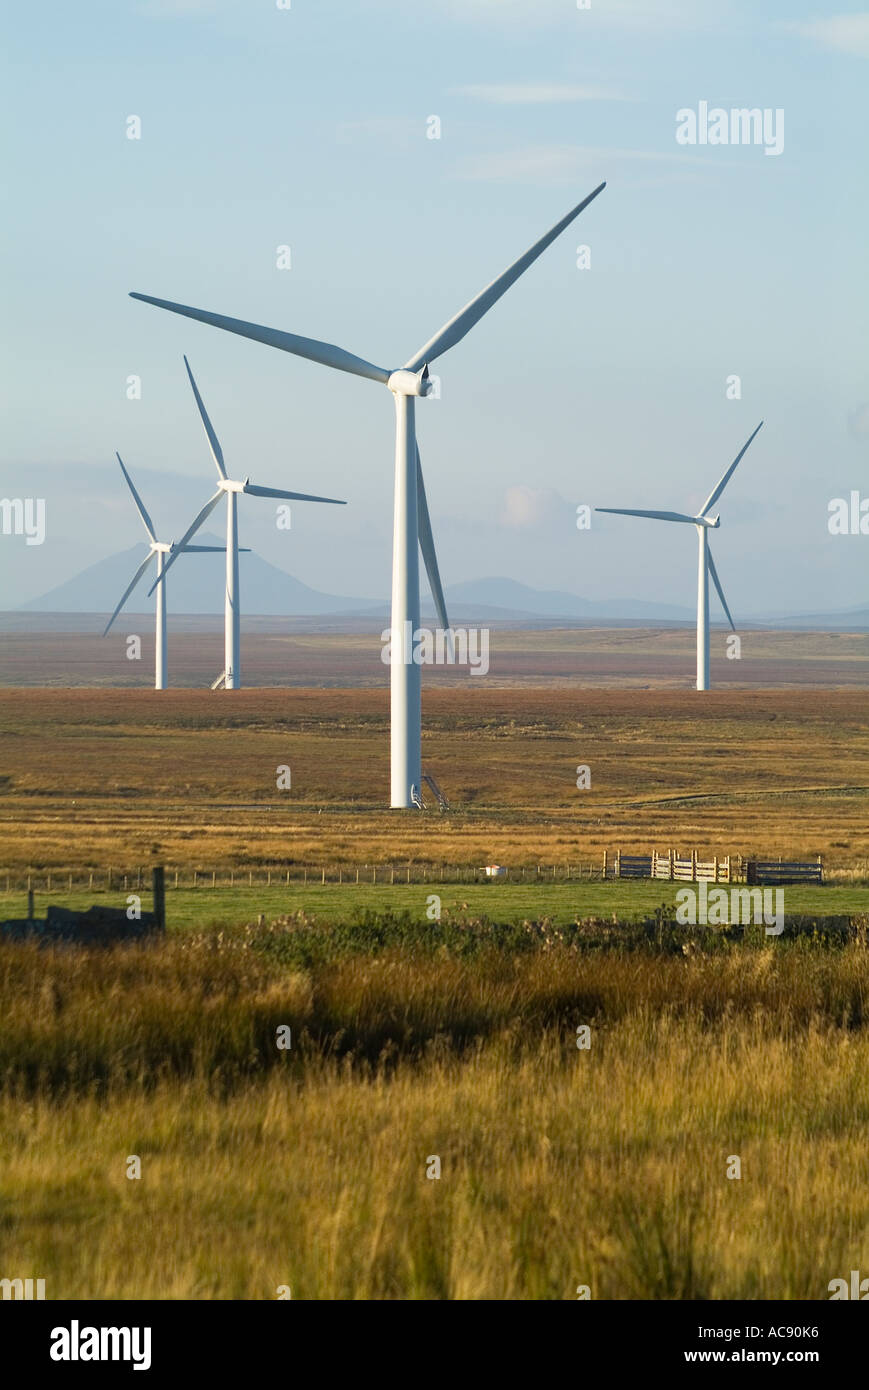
[
  {"x": 778, "y": 871},
  {"x": 690, "y": 868}
]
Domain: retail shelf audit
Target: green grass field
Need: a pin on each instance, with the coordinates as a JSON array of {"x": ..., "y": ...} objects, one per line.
[{"x": 502, "y": 902}]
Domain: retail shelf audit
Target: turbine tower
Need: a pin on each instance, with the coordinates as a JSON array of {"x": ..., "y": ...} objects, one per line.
[
  {"x": 706, "y": 564},
  {"x": 230, "y": 488},
  {"x": 411, "y": 521},
  {"x": 160, "y": 549}
]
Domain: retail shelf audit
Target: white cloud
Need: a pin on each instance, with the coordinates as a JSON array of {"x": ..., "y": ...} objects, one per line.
[
  {"x": 537, "y": 93},
  {"x": 529, "y": 506},
  {"x": 640, "y": 15},
  {"x": 558, "y": 163},
  {"x": 846, "y": 33}
]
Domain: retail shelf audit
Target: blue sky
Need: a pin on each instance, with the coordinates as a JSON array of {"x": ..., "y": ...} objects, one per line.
[{"x": 308, "y": 127}]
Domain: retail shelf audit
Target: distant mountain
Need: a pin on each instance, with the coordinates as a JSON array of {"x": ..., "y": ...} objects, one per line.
[
  {"x": 857, "y": 618},
  {"x": 195, "y": 585},
  {"x": 514, "y": 599}
]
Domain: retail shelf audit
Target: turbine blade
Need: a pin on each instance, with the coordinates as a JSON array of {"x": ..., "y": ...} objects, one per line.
[
  {"x": 216, "y": 451},
  {"x": 453, "y": 331},
  {"x": 315, "y": 351},
  {"x": 140, "y": 505},
  {"x": 130, "y": 587},
  {"x": 299, "y": 496},
  {"x": 191, "y": 530},
  {"x": 714, "y": 496},
  {"x": 216, "y": 549},
  {"x": 717, "y": 582},
  {"x": 658, "y": 516},
  {"x": 427, "y": 546}
]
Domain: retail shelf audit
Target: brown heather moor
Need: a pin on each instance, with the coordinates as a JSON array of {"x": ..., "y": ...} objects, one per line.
[{"x": 102, "y": 778}]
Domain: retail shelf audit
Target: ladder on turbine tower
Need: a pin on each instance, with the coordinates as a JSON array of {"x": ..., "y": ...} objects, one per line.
[
  {"x": 436, "y": 791},
  {"x": 215, "y": 685}
]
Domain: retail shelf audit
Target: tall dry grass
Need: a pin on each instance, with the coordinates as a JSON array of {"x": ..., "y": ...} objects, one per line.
[{"x": 560, "y": 1167}]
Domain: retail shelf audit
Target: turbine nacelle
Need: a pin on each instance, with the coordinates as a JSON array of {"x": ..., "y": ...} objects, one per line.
[
  {"x": 233, "y": 485},
  {"x": 407, "y": 383},
  {"x": 711, "y": 522}
]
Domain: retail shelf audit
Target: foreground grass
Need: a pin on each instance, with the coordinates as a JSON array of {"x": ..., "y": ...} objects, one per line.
[
  {"x": 606, "y": 1167},
  {"x": 628, "y": 900}
]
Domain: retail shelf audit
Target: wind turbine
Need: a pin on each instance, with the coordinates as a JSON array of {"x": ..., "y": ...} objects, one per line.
[
  {"x": 230, "y": 488},
  {"x": 160, "y": 549},
  {"x": 410, "y": 511},
  {"x": 706, "y": 564}
]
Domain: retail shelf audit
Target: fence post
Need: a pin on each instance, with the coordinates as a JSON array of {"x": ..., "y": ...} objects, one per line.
[
  {"x": 357, "y": 874},
  {"x": 29, "y": 903},
  {"x": 715, "y": 867},
  {"x": 618, "y": 864},
  {"x": 693, "y": 866},
  {"x": 158, "y": 886},
  {"x": 323, "y": 876}
]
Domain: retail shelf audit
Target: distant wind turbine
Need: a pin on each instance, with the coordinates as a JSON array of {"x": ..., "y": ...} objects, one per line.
[
  {"x": 161, "y": 549},
  {"x": 230, "y": 489},
  {"x": 706, "y": 564},
  {"x": 410, "y": 515}
]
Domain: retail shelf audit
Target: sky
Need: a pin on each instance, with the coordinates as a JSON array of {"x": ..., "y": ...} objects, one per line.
[{"x": 604, "y": 384}]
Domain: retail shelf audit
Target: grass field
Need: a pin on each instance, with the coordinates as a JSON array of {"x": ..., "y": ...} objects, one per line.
[
  {"x": 67, "y": 650},
  {"x": 559, "y": 1166},
  {"x": 559, "y": 903},
  {"x": 125, "y": 779}
]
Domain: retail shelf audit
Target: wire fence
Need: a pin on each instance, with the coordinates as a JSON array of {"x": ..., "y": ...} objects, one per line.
[
  {"x": 288, "y": 875},
  {"x": 612, "y": 866}
]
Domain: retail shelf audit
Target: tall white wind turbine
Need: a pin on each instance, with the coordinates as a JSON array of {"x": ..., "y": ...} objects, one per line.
[
  {"x": 229, "y": 488},
  {"x": 411, "y": 521},
  {"x": 706, "y": 564},
  {"x": 160, "y": 549}
]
